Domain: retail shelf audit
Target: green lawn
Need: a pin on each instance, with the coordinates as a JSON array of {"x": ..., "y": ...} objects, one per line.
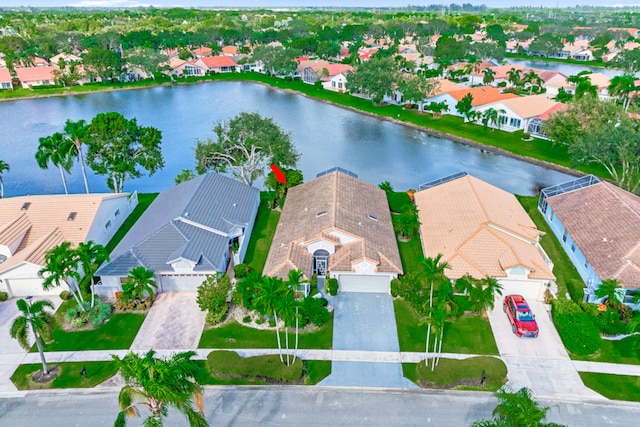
[
  {"x": 229, "y": 363},
  {"x": 566, "y": 274},
  {"x": 466, "y": 334},
  {"x": 317, "y": 370},
  {"x": 262, "y": 235},
  {"x": 616, "y": 387},
  {"x": 626, "y": 351},
  {"x": 118, "y": 333},
  {"x": 459, "y": 374},
  {"x": 206, "y": 378},
  {"x": 235, "y": 335},
  {"x": 69, "y": 376},
  {"x": 144, "y": 200},
  {"x": 410, "y": 254}
]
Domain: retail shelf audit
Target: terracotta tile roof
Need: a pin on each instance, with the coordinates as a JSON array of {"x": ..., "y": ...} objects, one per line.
[
  {"x": 547, "y": 75},
  {"x": 445, "y": 86},
  {"x": 558, "y": 107},
  {"x": 480, "y": 229},
  {"x": 604, "y": 222},
  {"x": 599, "y": 79},
  {"x": 217, "y": 61},
  {"x": 481, "y": 95},
  {"x": 202, "y": 51},
  {"x": 5, "y": 75},
  {"x": 501, "y": 71},
  {"x": 45, "y": 222},
  {"x": 529, "y": 106},
  {"x": 230, "y": 50},
  {"x": 34, "y": 74},
  {"x": 342, "y": 206}
]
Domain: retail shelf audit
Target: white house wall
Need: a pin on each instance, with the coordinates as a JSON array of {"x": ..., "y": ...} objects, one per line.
[
  {"x": 243, "y": 241},
  {"x": 23, "y": 280},
  {"x": 321, "y": 244},
  {"x": 447, "y": 99},
  {"x": 343, "y": 238},
  {"x": 531, "y": 289},
  {"x": 107, "y": 213}
]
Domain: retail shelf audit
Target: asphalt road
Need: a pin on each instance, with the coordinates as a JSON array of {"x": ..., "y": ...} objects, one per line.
[{"x": 297, "y": 406}]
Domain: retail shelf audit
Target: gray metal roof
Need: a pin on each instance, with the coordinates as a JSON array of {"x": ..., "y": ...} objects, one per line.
[{"x": 190, "y": 221}]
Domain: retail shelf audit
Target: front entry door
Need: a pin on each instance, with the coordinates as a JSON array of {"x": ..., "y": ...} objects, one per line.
[{"x": 320, "y": 262}]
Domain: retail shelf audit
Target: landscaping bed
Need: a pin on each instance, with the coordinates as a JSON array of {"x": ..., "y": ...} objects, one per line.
[
  {"x": 68, "y": 375},
  {"x": 458, "y": 374},
  {"x": 625, "y": 351},
  {"x": 616, "y": 387}
]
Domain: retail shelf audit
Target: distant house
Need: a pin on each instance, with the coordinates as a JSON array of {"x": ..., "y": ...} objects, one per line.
[
  {"x": 553, "y": 81},
  {"x": 482, "y": 231},
  {"x": 501, "y": 73},
  {"x": 520, "y": 113},
  {"x": 32, "y": 225},
  {"x": 218, "y": 64},
  {"x": 68, "y": 58},
  {"x": 5, "y": 79},
  {"x": 600, "y": 80},
  {"x": 202, "y": 52},
  {"x": 229, "y": 50},
  {"x": 578, "y": 50},
  {"x": 598, "y": 226},
  {"x": 332, "y": 76},
  {"x": 189, "y": 231},
  {"x": 182, "y": 68},
  {"x": 36, "y": 76},
  {"x": 337, "y": 226},
  {"x": 481, "y": 95}
]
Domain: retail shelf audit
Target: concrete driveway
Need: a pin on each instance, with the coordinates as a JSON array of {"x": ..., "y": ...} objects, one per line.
[
  {"x": 365, "y": 322},
  {"x": 175, "y": 322},
  {"x": 540, "y": 364}
]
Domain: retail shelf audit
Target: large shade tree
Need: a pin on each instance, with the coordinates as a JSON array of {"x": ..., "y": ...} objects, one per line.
[
  {"x": 35, "y": 318},
  {"x": 246, "y": 146},
  {"x": 158, "y": 384},
  {"x": 375, "y": 78},
  {"x": 119, "y": 148}
]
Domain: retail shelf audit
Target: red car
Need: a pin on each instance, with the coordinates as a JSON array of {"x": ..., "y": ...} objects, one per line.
[{"x": 523, "y": 322}]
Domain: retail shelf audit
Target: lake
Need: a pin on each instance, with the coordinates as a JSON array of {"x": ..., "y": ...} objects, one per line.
[
  {"x": 564, "y": 68},
  {"x": 326, "y": 136}
]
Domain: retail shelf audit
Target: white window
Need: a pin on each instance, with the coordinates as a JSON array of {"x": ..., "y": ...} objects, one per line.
[
  {"x": 107, "y": 226},
  {"x": 116, "y": 214},
  {"x": 515, "y": 123},
  {"x": 573, "y": 247},
  {"x": 564, "y": 237}
]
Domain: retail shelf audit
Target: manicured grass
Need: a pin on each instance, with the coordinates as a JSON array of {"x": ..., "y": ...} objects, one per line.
[
  {"x": 118, "y": 333},
  {"x": 206, "y": 378},
  {"x": 466, "y": 334},
  {"x": 69, "y": 377},
  {"x": 567, "y": 276},
  {"x": 229, "y": 363},
  {"x": 317, "y": 370},
  {"x": 235, "y": 335},
  {"x": 616, "y": 387},
  {"x": 263, "y": 230},
  {"x": 144, "y": 200},
  {"x": 459, "y": 374},
  {"x": 410, "y": 254},
  {"x": 626, "y": 351}
]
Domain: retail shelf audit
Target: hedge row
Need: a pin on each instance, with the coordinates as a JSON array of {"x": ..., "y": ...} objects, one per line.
[{"x": 576, "y": 328}]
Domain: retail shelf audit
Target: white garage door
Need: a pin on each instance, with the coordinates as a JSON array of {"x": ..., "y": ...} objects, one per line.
[
  {"x": 177, "y": 283},
  {"x": 362, "y": 283},
  {"x": 26, "y": 287},
  {"x": 529, "y": 290}
]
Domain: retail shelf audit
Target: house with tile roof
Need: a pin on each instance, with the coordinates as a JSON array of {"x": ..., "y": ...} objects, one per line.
[
  {"x": 192, "y": 230},
  {"x": 68, "y": 58},
  {"x": 332, "y": 76},
  {"x": 202, "y": 52},
  {"x": 181, "y": 68},
  {"x": 598, "y": 226},
  {"x": 5, "y": 79},
  {"x": 520, "y": 113},
  {"x": 32, "y": 225},
  {"x": 337, "y": 226},
  {"x": 483, "y": 231},
  {"x": 36, "y": 76},
  {"x": 481, "y": 95},
  {"x": 217, "y": 64}
]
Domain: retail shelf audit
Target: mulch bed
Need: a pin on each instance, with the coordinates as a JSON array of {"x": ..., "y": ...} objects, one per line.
[{"x": 41, "y": 378}]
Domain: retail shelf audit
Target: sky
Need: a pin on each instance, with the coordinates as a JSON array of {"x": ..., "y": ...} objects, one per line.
[{"x": 290, "y": 3}]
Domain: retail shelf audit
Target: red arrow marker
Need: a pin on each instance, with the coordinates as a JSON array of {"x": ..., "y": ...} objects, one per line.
[{"x": 280, "y": 177}]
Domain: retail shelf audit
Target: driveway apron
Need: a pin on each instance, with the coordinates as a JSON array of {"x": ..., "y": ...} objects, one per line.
[
  {"x": 175, "y": 322},
  {"x": 365, "y": 322}
]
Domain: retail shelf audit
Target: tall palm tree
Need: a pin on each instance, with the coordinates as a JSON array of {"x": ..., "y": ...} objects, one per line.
[
  {"x": 33, "y": 317},
  {"x": 141, "y": 281},
  {"x": 268, "y": 300},
  {"x": 74, "y": 132},
  {"x": 159, "y": 384},
  {"x": 432, "y": 270},
  {"x": 489, "y": 76},
  {"x": 91, "y": 256},
  {"x": 61, "y": 266},
  {"x": 4, "y": 167},
  {"x": 57, "y": 150},
  {"x": 516, "y": 409},
  {"x": 483, "y": 294},
  {"x": 294, "y": 281},
  {"x": 611, "y": 291},
  {"x": 621, "y": 87},
  {"x": 513, "y": 75}
]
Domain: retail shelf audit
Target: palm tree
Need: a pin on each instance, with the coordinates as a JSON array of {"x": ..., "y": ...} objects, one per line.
[
  {"x": 34, "y": 317},
  {"x": 583, "y": 85},
  {"x": 513, "y": 75},
  {"x": 74, "y": 132},
  {"x": 489, "y": 76},
  {"x": 294, "y": 281},
  {"x": 621, "y": 87},
  {"x": 159, "y": 384},
  {"x": 61, "y": 266},
  {"x": 57, "y": 150},
  {"x": 140, "y": 281},
  {"x": 4, "y": 167},
  {"x": 483, "y": 294},
  {"x": 491, "y": 117},
  {"x": 268, "y": 300},
  {"x": 432, "y": 270},
  {"x": 91, "y": 256},
  {"x": 611, "y": 291},
  {"x": 516, "y": 409}
]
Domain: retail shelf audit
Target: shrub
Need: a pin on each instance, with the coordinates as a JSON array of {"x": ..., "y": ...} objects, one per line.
[
  {"x": 212, "y": 293},
  {"x": 246, "y": 319},
  {"x": 272, "y": 323},
  {"x": 100, "y": 313},
  {"x": 241, "y": 270},
  {"x": 526, "y": 136},
  {"x": 576, "y": 328},
  {"x": 398, "y": 201},
  {"x": 576, "y": 290},
  {"x": 314, "y": 310},
  {"x": 395, "y": 287},
  {"x": 333, "y": 287},
  {"x": 4, "y": 296},
  {"x": 217, "y": 315},
  {"x": 609, "y": 323},
  {"x": 65, "y": 295},
  {"x": 259, "y": 321}
]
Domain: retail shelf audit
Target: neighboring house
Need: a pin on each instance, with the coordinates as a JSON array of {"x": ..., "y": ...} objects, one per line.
[
  {"x": 36, "y": 76},
  {"x": 601, "y": 81},
  {"x": 68, "y": 58},
  {"x": 5, "y": 79},
  {"x": 520, "y": 113},
  {"x": 229, "y": 51},
  {"x": 553, "y": 81},
  {"x": 339, "y": 226},
  {"x": 32, "y": 225},
  {"x": 202, "y": 52},
  {"x": 189, "y": 231},
  {"x": 633, "y": 32},
  {"x": 536, "y": 125},
  {"x": 482, "y": 231},
  {"x": 513, "y": 46},
  {"x": 332, "y": 76},
  {"x": 39, "y": 62},
  {"x": 309, "y": 70},
  {"x": 501, "y": 73},
  {"x": 482, "y": 95},
  {"x": 579, "y": 50},
  {"x": 182, "y": 68},
  {"x": 598, "y": 225},
  {"x": 218, "y": 64}
]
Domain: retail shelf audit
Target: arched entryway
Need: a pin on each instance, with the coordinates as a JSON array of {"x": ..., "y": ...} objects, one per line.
[{"x": 320, "y": 262}]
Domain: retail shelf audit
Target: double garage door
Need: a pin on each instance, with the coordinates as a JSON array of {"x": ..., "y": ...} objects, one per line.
[
  {"x": 179, "y": 283},
  {"x": 26, "y": 287},
  {"x": 364, "y": 283}
]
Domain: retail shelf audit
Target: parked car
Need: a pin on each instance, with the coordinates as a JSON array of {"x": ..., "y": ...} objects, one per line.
[{"x": 523, "y": 321}]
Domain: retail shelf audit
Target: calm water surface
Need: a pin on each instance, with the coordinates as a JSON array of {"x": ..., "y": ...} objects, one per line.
[
  {"x": 566, "y": 69},
  {"x": 326, "y": 135}
]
